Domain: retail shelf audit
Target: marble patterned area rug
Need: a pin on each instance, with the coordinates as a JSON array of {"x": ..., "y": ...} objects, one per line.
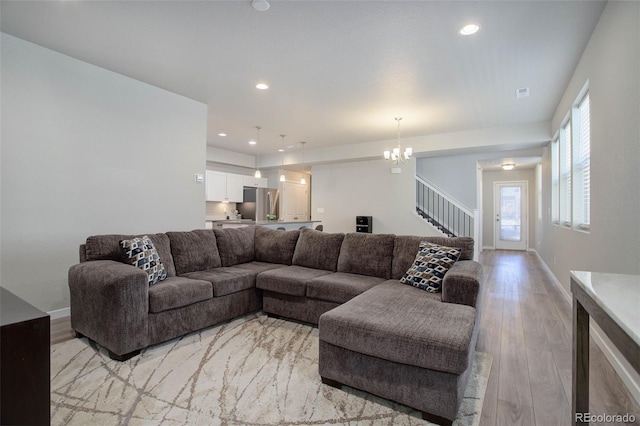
[{"x": 254, "y": 370}]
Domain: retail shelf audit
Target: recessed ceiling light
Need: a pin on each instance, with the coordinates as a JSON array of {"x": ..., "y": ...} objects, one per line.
[
  {"x": 260, "y": 5},
  {"x": 222, "y": 134},
  {"x": 252, "y": 142},
  {"x": 262, "y": 86},
  {"x": 281, "y": 150},
  {"x": 469, "y": 29}
]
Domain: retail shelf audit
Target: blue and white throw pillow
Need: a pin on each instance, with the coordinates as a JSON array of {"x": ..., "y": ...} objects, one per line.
[
  {"x": 141, "y": 253},
  {"x": 430, "y": 265}
]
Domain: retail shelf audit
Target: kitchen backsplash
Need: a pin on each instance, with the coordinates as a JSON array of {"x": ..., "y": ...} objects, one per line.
[{"x": 216, "y": 210}]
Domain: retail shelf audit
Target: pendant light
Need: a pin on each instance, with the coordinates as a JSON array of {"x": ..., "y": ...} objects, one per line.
[
  {"x": 257, "y": 174},
  {"x": 303, "y": 181},
  {"x": 282, "y": 176},
  {"x": 396, "y": 156}
]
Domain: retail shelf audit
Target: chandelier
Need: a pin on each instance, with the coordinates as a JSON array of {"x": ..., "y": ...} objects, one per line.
[{"x": 396, "y": 156}]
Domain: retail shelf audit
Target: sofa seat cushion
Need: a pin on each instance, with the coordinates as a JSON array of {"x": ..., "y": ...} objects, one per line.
[
  {"x": 340, "y": 287},
  {"x": 291, "y": 280},
  {"x": 402, "y": 324},
  {"x": 226, "y": 280},
  {"x": 176, "y": 292},
  {"x": 258, "y": 267}
]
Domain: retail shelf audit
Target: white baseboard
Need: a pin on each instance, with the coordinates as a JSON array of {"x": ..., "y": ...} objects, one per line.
[
  {"x": 615, "y": 358},
  {"x": 60, "y": 313},
  {"x": 488, "y": 248}
]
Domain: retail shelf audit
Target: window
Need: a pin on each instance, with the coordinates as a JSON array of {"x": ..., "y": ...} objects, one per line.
[
  {"x": 571, "y": 167},
  {"x": 555, "y": 181},
  {"x": 565, "y": 174},
  {"x": 582, "y": 165}
]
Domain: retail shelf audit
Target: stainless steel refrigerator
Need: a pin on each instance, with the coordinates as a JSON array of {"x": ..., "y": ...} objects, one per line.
[{"x": 259, "y": 202}]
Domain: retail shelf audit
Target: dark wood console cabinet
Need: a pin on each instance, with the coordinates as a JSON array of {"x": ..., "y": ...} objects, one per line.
[{"x": 25, "y": 365}]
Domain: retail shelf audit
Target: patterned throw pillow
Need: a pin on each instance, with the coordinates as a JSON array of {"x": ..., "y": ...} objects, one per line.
[
  {"x": 140, "y": 252},
  {"x": 432, "y": 262}
]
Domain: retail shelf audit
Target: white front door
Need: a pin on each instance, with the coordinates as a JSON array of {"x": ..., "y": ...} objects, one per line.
[{"x": 511, "y": 224}]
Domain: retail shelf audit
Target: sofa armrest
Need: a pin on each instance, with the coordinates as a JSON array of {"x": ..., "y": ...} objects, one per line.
[
  {"x": 110, "y": 304},
  {"x": 461, "y": 283}
]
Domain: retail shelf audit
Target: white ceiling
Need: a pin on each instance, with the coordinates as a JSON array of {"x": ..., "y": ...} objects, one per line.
[{"x": 339, "y": 71}]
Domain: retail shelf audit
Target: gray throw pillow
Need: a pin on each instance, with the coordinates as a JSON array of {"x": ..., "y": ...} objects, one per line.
[{"x": 431, "y": 264}]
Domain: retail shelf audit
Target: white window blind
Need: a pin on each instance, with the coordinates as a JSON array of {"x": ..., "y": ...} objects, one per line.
[
  {"x": 565, "y": 174},
  {"x": 555, "y": 181},
  {"x": 582, "y": 165}
]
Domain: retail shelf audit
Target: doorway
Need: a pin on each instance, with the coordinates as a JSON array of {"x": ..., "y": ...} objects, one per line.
[
  {"x": 511, "y": 226},
  {"x": 295, "y": 202}
]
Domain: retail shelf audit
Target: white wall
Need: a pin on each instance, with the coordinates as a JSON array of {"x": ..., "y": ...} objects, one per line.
[
  {"x": 611, "y": 64},
  {"x": 453, "y": 174},
  {"x": 86, "y": 151},
  {"x": 488, "y": 221},
  {"x": 366, "y": 188}
]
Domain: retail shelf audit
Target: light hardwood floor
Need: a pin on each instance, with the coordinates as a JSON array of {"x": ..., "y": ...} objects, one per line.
[{"x": 526, "y": 326}]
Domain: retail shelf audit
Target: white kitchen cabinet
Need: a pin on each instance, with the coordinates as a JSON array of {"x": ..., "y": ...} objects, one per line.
[
  {"x": 255, "y": 182},
  {"x": 222, "y": 186},
  {"x": 216, "y": 186},
  {"x": 235, "y": 187}
]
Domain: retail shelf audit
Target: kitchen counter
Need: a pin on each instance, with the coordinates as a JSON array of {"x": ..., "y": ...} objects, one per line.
[{"x": 288, "y": 225}]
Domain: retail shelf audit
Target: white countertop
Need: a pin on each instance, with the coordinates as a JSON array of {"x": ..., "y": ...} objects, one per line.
[
  {"x": 617, "y": 294},
  {"x": 260, "y": 222},
  {"x": 284, "y": 222}
]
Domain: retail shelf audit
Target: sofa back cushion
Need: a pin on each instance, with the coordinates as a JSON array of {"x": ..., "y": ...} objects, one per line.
[
  {"x": 318, "y": 250},
  {"x": 275, "y": 246},
  {"x": 367, "y": 254},
  {"x": 107, "y": 247},
  {"x": 194, "y": 251},
  {"x": 236, "y": 245},
  {"x": 406, "y": 248}
]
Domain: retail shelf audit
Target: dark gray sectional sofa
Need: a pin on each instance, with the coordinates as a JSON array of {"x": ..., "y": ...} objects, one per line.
[{"x": 376, "y": 334}]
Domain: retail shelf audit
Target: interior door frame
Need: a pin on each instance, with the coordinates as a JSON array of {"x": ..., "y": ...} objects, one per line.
[{"x": 524, "y": 213}]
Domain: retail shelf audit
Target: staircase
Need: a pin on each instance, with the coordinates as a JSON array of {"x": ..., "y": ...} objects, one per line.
[{"x": 444, "y": 213}]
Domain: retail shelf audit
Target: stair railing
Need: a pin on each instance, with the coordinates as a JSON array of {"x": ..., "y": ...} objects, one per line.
[{"x": 446, "y": 213}]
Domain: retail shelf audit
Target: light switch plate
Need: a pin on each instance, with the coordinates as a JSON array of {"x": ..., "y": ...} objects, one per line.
[
  {"x": 320, "y": 210},
  {"x": 199, "y": 178}
]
